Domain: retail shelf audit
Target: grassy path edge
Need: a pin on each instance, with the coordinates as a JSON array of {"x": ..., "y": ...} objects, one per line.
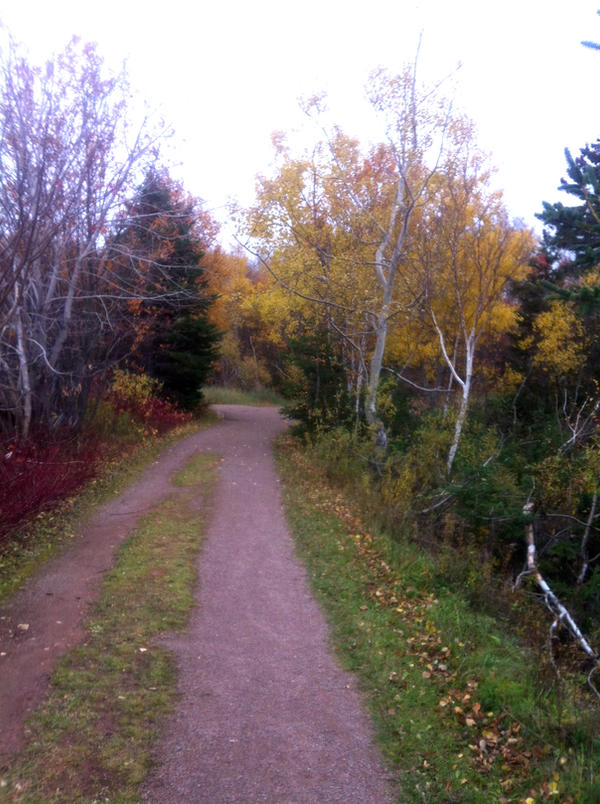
[
  {"x": 51, "y": 531},
  {"x": 458, "y": 714},
  {"x": 92, "y": 738}
]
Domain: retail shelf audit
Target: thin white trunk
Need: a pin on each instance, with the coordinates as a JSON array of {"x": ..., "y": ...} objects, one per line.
[
  {"x": 465, "y": 384},
  {"x": 462, "y": 411},
  {"x": 360, "y": 379},
  {"x": 381, "y": 328},
  {"x": 67, "y": 313},
  {"x": 25, "y": 378},
  {"x": 560, "y": 612},
  {"x": 450, "y": 383},
  {"x": 585, "y": 558}
]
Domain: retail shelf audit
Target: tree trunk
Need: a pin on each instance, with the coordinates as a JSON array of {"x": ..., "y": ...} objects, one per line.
[
  {"x": 26, "y": 402},
  {"x": 381, "y": 328},
  {"x": 553, "y": 604},
  {"x": 462, "y": 411}
]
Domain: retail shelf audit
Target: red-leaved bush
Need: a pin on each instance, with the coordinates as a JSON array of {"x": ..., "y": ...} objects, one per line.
[
  {"x": 140, "y": 396},
  {"x": 158, "y": 414},
  {"x": 48, "y": 468},
  {"x": 42, "y": 471}
]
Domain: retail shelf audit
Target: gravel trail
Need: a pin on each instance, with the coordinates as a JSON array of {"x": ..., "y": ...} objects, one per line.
[{"x": 265, "y": 713}]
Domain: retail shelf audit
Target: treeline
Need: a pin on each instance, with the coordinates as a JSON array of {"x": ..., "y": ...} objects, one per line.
[
  {"x": 104, "y": 330},
  {"x": 430, "y": 343},
  {"x": 100, "y": 251},
  {"x": 428, "y": 340}
]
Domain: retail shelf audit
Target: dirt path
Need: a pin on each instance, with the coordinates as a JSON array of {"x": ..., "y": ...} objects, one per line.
[
  {"x": 265, "y": 714},
  {"x": 45, "y": 619}
]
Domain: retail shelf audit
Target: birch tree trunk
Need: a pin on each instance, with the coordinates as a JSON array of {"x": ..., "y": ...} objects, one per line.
[
  {"x": 561, "y": 614},
  {"x": 25, "y": 402},
  {"x": 464, "y": 405}
]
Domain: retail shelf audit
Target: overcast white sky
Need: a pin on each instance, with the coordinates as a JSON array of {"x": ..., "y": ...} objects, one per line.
[{"x": 226, "y": 73}]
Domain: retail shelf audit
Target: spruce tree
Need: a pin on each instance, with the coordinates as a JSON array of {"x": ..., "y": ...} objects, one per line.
[
  {"x": 163, "y": 236},
  {"x": 574, "y": 231}
]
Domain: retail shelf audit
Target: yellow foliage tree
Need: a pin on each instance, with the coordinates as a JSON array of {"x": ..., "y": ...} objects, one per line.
[
  {"x": 401, "y": 254},
  {"x": 560, "y": 348},
  {"x": 236, "y": 311}
]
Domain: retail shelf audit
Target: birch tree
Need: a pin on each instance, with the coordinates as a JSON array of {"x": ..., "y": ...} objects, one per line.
[
  {"x": 465, "y": 253},
  {"x": 419, "y": 132},
  {"x": 336, "y": 228}
]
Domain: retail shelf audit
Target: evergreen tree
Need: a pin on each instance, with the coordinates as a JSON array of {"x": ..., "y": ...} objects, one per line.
[
  {"x": 575, "y": 229},
  {"x": 318, "y": 385},
  {"x": 164, "y": 239}
]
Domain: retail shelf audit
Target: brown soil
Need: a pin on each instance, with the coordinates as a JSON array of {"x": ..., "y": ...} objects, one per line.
[{"x": 264, "y": 713}]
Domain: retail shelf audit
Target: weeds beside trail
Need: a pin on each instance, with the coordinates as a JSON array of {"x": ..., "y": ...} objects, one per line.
[
  {"x": 50, "y": 531},
  {"x": 215, "y": 395},
  {"x": 460, "y": 713},
  {"x": 92, "y": 738}
]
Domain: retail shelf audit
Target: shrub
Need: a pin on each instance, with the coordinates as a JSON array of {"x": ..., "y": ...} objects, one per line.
[
  {"x": 136, "y": 389},
  {"x": 42, "y": 471},
  {"x": 138, "y": 395},
  {"x": 316, "y": 381}
]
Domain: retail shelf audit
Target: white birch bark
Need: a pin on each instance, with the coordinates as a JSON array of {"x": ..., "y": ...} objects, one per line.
[
  {"x": 561, "y": 614},
  {"x": 26, "y": 401}
]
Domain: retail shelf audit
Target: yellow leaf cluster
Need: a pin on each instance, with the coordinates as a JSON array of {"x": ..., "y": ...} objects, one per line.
[{"x": 560, "y": 347}]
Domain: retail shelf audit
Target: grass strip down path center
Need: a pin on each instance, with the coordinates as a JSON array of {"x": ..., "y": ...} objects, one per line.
[{"x": 92, "y": 737}]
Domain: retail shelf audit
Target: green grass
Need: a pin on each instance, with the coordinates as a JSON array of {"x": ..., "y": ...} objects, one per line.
[
  {"x": 214, "y": 395},
  {"x": 457, "y": 703},
  {"x": 91, "y": 740},
  {"x": 51, "y": 531}
]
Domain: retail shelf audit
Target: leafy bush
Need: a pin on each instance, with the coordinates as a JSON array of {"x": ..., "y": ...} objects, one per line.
[
  {"x": 138, "y": 395},
  {"x": 134, "y": 388},
  {"x": 49, "y": 467},
  {"x": 42, "y": 471},
  {"x": 316, "y": 380}
]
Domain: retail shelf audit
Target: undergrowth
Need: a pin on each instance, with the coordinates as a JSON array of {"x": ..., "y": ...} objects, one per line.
[
  {"x": 49, "y": 466},
  {"x": 42, "y": 471},
  {"x": 140, "y": 396},
  {"x": 38, "y": 537},
  {"x": 462, "y": 711},
  {"x": 215, "y": 395}
]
